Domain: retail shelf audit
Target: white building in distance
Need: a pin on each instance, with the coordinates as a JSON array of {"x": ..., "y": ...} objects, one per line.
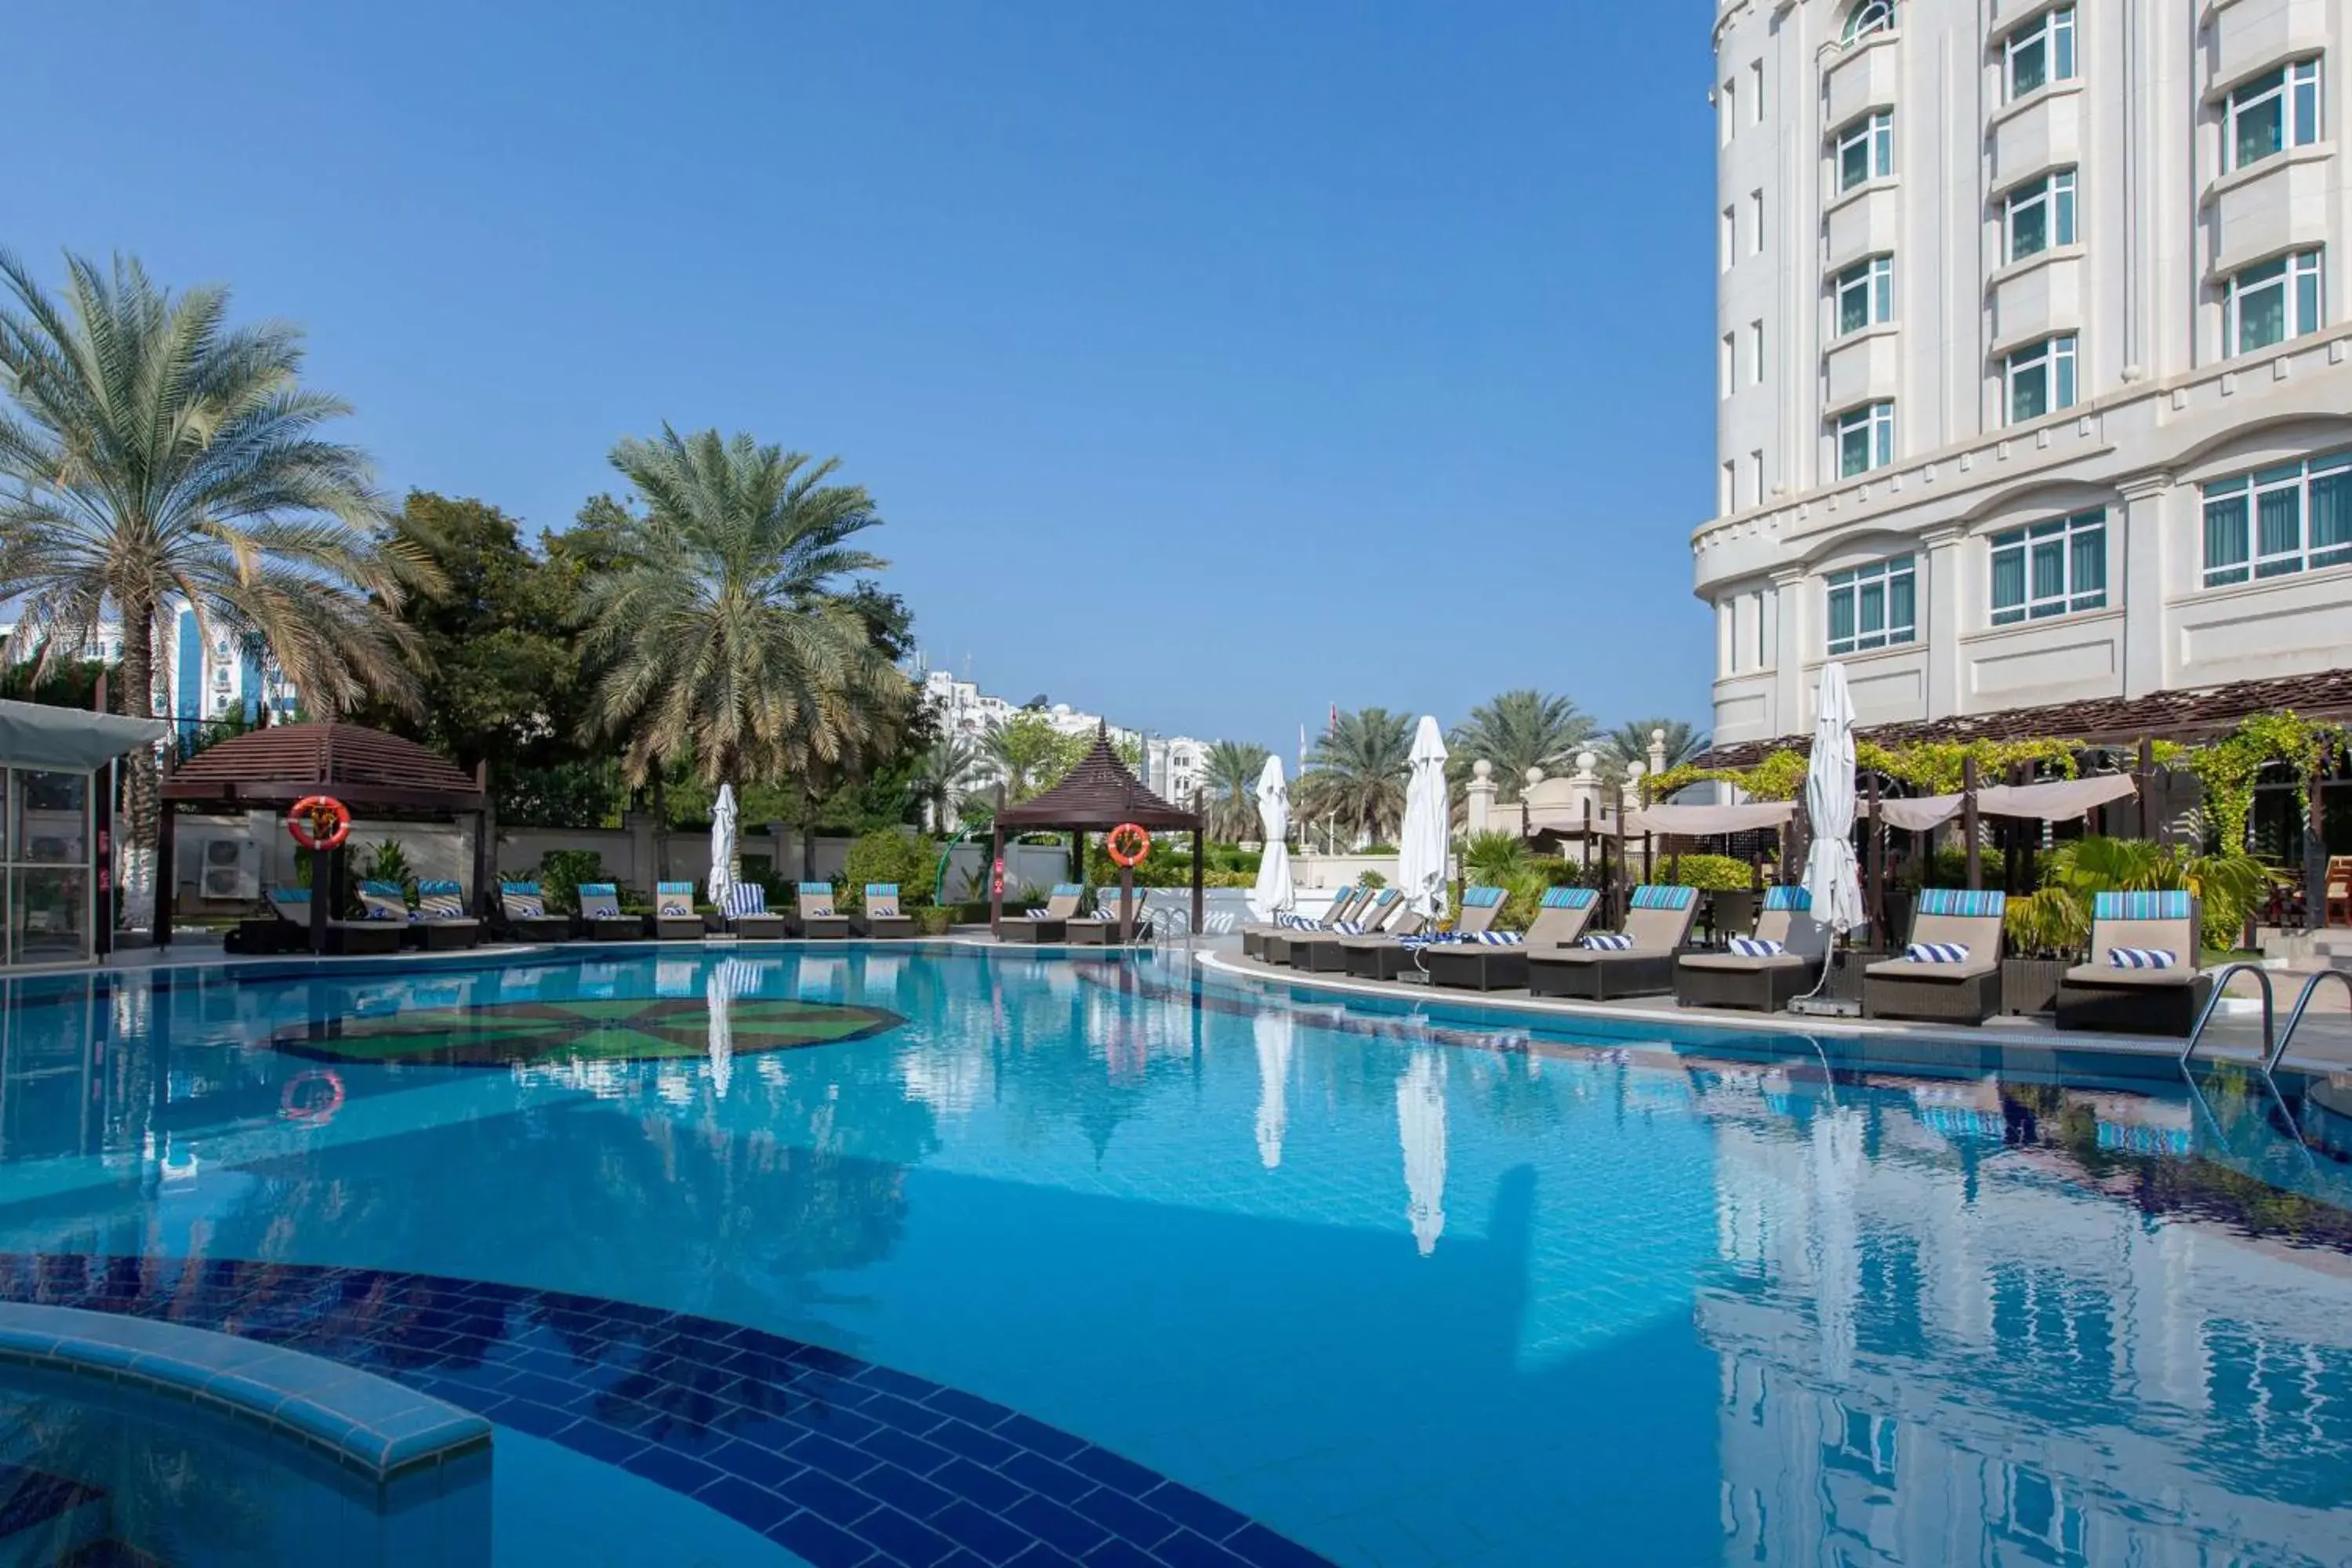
[
  {"x": 2033, "y": 360},
  {"x": 1174, "y": 766},
  {"x": 199, "y": 680}
]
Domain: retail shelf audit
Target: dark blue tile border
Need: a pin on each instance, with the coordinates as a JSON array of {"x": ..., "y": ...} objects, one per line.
[{"x": 845, "y": 1463}]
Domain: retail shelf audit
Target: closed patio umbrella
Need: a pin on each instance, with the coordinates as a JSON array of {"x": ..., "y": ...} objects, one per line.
[
  {"x": 1428, "y": 825},
  {"x": 1273, "y": 1028},
  {"x": 1832, "y": 878},
  {"x": 1421, "y": 1129},
  {"x": 1272, "y": 892},
  {"x": 722, "y": 845}
]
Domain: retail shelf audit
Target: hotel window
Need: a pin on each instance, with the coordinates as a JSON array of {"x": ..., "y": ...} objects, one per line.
[
  {"x": 2040, "y": 52},
  {"x": 2273, "y": 302},
  {"x": 2040, "y": 214},
  {"x": 1754, "y": 353},
  {"x": 2278, "y": 521},
  {"x": 1728, "y": 489},
  {"x": 2051, "y": 569},
  {"x": 1756, "y": 93},
  {"x": 2040, "y": 378},
  {"x": 1873, "y": 607},
  {"x": 2272, "y": 113},
  {"x": 1866, "y": 439},
  {"x": 1866, "y": 294},
  {"x": 1727, "y": 366},
  {"x": 1729, "y": 104},
  {"x": 1868, "y": 18},
  {"x": 1755, "y": 478},
  {"x": 1755, "y": 223},
  {"x": 1865, "y": 151},
  {"x": 1730, "y": 241}
]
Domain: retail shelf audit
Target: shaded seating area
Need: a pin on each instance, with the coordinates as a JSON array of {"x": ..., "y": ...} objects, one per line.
[
  {"x": 1111, "y": 918},
  {"x": 1096, "y": 795},
  {"x": 373, "y": 774},
  {"x": 297, "y": 921},
  {"x": 1048, "y": 921}
]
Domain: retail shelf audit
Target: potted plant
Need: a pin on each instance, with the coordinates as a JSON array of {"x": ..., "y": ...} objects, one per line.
[{"x": 2043, "y": 936}]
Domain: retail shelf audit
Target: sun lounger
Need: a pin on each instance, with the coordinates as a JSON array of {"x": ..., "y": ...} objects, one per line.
[
  {"x": 1326, "y": 952},
  {"x": 1657, "y": 921},
  {"x": 293, "y": 905},
  {"x": 818, "y": 921},
  {"x": 1966, "y": 990},
  {"x": 1559, "y": 921},
  {"x": 1371, "y": 914},
  {"x": 748, "y": 915},
  {"x": 1763, "y": 982},
  {"x": 1049, "y": 923},
  {"x": 1101, "y": 929},
  {"x": 1351, "y": 901},
  {"x": 601, "y": 919},
  {"x": 675, "y": 916},
  {"x": 883, "y": 919},
  {"x": 524, "y": 910},
  {"x": 1388, "y": 955},
  {"x": 2135, "y": 994},
  {"x": 441, "y": 921}
]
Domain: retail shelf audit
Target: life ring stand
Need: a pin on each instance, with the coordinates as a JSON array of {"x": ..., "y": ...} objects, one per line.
[
  {"x": 296, "y": 1106},
  {"x": 320, "y": 822},
  {"x": 1128, "y": 832}
]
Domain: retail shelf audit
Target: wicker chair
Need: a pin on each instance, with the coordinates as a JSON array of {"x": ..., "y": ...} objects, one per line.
[
  {"x": 1101, "y": 929},
  {"x": 1968, "y": 992},
  {"x": 2102, "y": 994},
  {"x": 882, "y": 919},
  {"x": 1658, "y": 919},
  {"x": 1350, "y": 899},
  {"x": 1559, "y": 922},
  {"x": 1050, "y": 923},
  {"x": 523, "y": 908},
  {"x": 1764, "y": 982},
  {"x": 601, "y": 919},
  {"x": 819, "y": 921},
  {"x": 674, "y": 916}
]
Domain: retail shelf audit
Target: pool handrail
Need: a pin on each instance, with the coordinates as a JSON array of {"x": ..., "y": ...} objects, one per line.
[
  {"x": 2295, "y": 1015},
  {"x": 2214, "y": 1004}
]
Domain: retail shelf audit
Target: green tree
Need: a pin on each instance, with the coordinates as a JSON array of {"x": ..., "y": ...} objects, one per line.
[
  {"x": 1232, "y": 768},
  {"x": 1356, "y": 775},
  {"x": 154, "y": 451},
  {"x": 1026, "y": 754},
  {"x": 1630, "y": 742},
  {"x": 944, "y": 771},
  {"x": 722, "y": 637},
  {"x": 1514, "y": 731}
]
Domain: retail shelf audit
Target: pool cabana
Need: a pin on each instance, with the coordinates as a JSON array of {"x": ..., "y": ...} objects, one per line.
[
  {"x": 1096, "y": 796},
  {"x": 57, "y": 896},
  {"x": 370, "y": 772}
]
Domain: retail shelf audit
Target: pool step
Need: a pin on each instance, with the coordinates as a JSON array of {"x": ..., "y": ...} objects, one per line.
[{"x": 47, "y": 1518}]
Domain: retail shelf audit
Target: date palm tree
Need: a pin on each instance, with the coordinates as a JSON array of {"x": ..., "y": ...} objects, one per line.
[
  {"x": 1232, "y": 768},
  {"x": 155, "y": 452},
  {"x": 1356, "y": 773},
  {"x": 1514, "y": 731},
  {"x": 947, "y": 768},
  {"x": 725, "y": 638},
  {"x": 1630, "y": 742}
]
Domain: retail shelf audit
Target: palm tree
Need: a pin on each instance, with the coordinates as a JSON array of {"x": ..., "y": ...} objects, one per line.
[
  {"x": 1232, "y": 768},
  {"x": 941, "y": 774},
  {"x": 156, "y": 452},
  {"x": 724, "y": 640},
  {"x": 1630, "y": 742},
  {"x": 1355, "y": 776},
  {"x": 1516, "y": 732},
  {"x": 1025, "y": 753}
]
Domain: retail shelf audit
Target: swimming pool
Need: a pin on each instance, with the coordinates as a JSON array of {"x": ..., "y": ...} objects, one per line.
[{"x": 945, "y": 1256}]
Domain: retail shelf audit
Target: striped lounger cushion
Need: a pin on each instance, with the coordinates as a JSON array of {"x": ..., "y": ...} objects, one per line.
[
  {"x": 2140, "y": 958},
  {"x": 440, "y": 901},
  {"x": 1757, "y": 947},
  {"x": 1608, "y": 942},
  {"x": 1936, "y": 953}
]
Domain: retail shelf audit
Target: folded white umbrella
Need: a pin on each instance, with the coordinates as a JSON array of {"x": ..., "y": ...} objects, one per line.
[
  {"x": 722, "y": 845},
  {"x": 1421, "y": 1130},
  {"x": 1272, "y": 892},
  {"x": 1428, "y": 825},
  {"x": 1273, "y": 1028},
  {"x": 1831, "y": 877}
]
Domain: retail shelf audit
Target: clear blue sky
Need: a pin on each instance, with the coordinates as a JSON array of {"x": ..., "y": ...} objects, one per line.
[{"x": 1305, "y": 351}]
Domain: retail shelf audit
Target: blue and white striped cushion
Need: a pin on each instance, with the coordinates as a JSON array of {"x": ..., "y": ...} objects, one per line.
[
  {"x": 1936, "y": 953},
  {"x": 1757, "y": 947},
  {"x": 526, "y": 907},
  {"x": 1792, "y": 899},
  {"x": 1481, "y": 898},
  {"x": 441, "y": 900},
  {"x": 2169, "y": 904},
  {"x": 1607, "y": 942},
  {"x": 1349, "y": 927},
  {"x": 1990, "y": 904},
  {"x": 1497, "y": 938},
  {"x": 2141, "y": 958},
  {"x": 1569, "y": 898},
  {"x": 1663, "y": 896},
  {"x": 746, "y": 899},
  {"x": 677, "y": 899}
]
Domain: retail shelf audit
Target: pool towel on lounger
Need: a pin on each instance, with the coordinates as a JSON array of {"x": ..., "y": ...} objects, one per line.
[{"x": 1936, "y": 953}]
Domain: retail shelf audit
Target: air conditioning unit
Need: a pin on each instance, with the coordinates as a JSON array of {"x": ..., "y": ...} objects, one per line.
[{"x": 230, "y": 869}]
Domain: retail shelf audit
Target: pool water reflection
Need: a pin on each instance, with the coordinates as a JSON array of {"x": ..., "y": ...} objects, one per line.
[{"x": 1400, "y": 1291}]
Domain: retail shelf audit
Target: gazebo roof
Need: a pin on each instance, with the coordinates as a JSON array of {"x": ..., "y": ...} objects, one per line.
[
  {"x": 1096, "y": 796},
  {"x": 358, "y": 766}
]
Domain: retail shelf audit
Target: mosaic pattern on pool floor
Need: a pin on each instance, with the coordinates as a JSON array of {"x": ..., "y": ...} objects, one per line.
[
  {"x": 847, "y": 1464},
  {"x": 628, "y": 1029}
]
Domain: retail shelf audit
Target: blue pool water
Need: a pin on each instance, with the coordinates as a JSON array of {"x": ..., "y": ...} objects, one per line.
[{"x": 1132, "y": 1263}]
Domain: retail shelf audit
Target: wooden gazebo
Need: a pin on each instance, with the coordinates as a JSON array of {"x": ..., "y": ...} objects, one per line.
[
  {"x": 365, "y": 769},
  {"x": 1096, "y": 796}
]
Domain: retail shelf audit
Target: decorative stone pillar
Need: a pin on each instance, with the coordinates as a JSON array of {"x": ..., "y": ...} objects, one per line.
[
  {"x": 1481, "y": 796},
  {"x": 1941, "y": 637},
  {"x": 1791, "y": 618},
  {"x": 1657, "y": 752},
  {"x": 2137, "y": 581}
]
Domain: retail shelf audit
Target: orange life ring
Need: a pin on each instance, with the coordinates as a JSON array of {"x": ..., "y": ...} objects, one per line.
[
  {"x": 296, "y": 1107},
  {"x": 319, "y": 822},
  {"x": 1128, "y": 832}
]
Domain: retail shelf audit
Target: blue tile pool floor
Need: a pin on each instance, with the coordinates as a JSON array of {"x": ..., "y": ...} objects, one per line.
[{"x": 1067, "y": 1260}]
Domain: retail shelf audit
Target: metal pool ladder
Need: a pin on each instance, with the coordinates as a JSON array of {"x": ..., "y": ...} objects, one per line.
[
  {"x": 2302, "y": 1002},
  {"x": 2213, "y": 1005}
]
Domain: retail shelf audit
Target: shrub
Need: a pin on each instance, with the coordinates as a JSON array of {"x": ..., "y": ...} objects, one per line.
[
  {"x": 388, "y": 862},
  {"x": 1707, "y": 873},
  {"x": 910, "y": 860},
  {"x": 561, "y": 873}
]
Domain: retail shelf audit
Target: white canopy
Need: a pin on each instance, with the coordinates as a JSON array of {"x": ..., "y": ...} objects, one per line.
[
  {"x": 1705, "y": 821},
  {"x": 1428, "y": 825},
  {"x": 35, "y": 735},
  {"x": 2060, "y": 800},
  {"x": 1833, "y": 880},
  {"x": 1272, "y": 892}
]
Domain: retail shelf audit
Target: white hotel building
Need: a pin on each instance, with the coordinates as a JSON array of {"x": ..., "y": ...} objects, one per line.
[{"x": 2034, "y": 358}]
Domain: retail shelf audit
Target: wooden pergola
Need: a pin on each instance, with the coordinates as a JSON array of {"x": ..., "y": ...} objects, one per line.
[
  {"x": 1095, "y": 797},
  {"x": 367, "y": 770}
]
